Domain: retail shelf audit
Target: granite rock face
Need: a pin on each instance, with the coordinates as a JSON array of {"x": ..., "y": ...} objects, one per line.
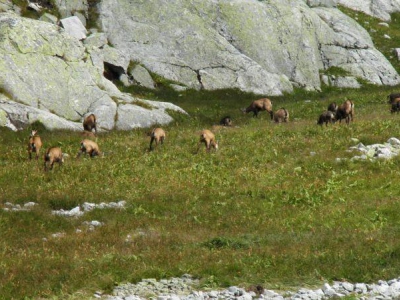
[
  {"x": 264, "y": 47},
  {"x": 380, "y": 9},
  {"x": 47, "y": 72}
]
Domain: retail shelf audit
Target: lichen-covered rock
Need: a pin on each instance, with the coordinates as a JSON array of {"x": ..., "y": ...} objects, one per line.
[
  {"x": 179, "y": 41},
  {"x": 74, "y": 27},
  {"x": 95, "y": 40},
  {"x": 16, "y": 116},
  {"x": 323, "y": 3},
  {"x": 350, "y": 47},
  {"x": 341, "y": 81},
  {"x": 47, "y": 72},
  {"x": 8, "y": 5},
  {"x": 46, "y": 17},
  {"x": 66, "y": 8},
  {"x": 144, "y": 113},
  {"x": 264, "y": 47},
  {"x": 377, "y": 8},
  {"x": 142, "y": 77}
]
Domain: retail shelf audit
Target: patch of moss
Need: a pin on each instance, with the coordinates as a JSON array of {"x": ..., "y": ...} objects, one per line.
[
  {"x": 335, "y": 71},
  {"x": 143, "y": 104}
]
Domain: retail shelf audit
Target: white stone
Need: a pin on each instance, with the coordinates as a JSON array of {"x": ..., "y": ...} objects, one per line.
[
  {"x": 142, "y": 77},
  {"x": 394, "y": 141},
  {"x": 74, "y": 27}
]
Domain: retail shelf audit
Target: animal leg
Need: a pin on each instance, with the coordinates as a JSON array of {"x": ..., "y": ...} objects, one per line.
[{"x": 151, "y": 143}]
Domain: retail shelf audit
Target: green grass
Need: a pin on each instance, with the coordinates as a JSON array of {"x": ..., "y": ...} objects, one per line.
[{"x": 262, "y": 210}]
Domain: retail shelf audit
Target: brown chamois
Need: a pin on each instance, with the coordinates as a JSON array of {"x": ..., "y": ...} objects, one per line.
[
  {"x": 89, "y": 123},
  {"x": 226, "y": 121},
  {"x": 392, "y": 97},
  {"x": 88, "y": 147},
  {"x": 326, "y": 117},
  {"x": 53, "y": 155},
  {"x": 88, "y": 134},
  {"x": 281, "y": 115},
  {"x": 208, "y": 138},
  {"x": 35, "y": 143},
  {"x": 395, "y": 105},
  {"x": 333, "y": 107},
  {"x": 345, "y": 111},
  {"x": 157, "y": 135},
  {"x": 259, "y": 105}
]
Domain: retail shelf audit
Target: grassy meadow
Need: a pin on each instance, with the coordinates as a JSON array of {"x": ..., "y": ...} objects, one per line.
[{"x": 263, "y": 210}]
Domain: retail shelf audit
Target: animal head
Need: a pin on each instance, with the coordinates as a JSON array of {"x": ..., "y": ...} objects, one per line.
[
  {"x": 33, "y": 132},
  {"x": 216, "y": 145},
  {"x": 333, "y": 107},
  {"x": 226, "y": 121}
]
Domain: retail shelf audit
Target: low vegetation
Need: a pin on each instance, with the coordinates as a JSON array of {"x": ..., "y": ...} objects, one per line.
[
  {"x": 272, "y": 206},
  {"x": 264, "y": 209}
]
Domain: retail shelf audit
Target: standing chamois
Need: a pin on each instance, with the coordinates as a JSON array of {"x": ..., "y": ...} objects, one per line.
[
  {"x": 157, "y": 135},
  {"x": 392, "y": 97},
  {"x": 208, "y": 138},
  {"x": 35, "y": 143},
  {"x": 345, "y": 111},
  {"x": 259, "y": 105},
  {"x": 53, "y": 155},
  {"x": 394, "y": 101},
  {"x": 89, "y": 123}
]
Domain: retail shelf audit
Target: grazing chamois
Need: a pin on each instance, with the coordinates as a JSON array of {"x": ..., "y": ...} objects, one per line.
[
  {"x": 281, "y": 115},
  {"x": 157, "y": 135},
  {"x": 392, "y": 97},
  {"x": 326, "y": 117},
  {"x": 89, "y": 123},
  {"x": 88, "y": 134},
  {"x": 35, "y": 143},
  {"x": 226, "y": 121},
  {"x": 395, "y": 105},
  {"x": 208, "y": 138},
  {"x": 89, "y": 147},
  {"x": 333, "y": 107},
  {"x": 259, "y": 105},
  {"x": 53, "y": 155},
  {"x": 345, "y": 111}
]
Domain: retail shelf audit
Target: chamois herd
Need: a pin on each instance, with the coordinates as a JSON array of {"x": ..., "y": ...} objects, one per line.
[{"x": 157, "y": 136}]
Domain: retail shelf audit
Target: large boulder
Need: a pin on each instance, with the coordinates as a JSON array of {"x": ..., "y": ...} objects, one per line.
[
  {"x": 16, "y": 116},
  {"x": 8, "y": 5},
  {"x": 45, "y": 68},
  {"x": 350, "y": 47},
  {"x": 264, "y": 47},
  {"x": 380, "y": 9}
]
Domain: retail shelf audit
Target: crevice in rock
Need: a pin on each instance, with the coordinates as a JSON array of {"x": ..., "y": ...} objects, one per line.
[
  {"x": 199, "y": 79},
  {"x": 112, "y": 72}
]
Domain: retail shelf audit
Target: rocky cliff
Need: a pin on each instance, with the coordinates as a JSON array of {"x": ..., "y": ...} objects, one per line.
[
  {"x": 56, "y": 74},
  {"x": 264, "y": 47}
]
